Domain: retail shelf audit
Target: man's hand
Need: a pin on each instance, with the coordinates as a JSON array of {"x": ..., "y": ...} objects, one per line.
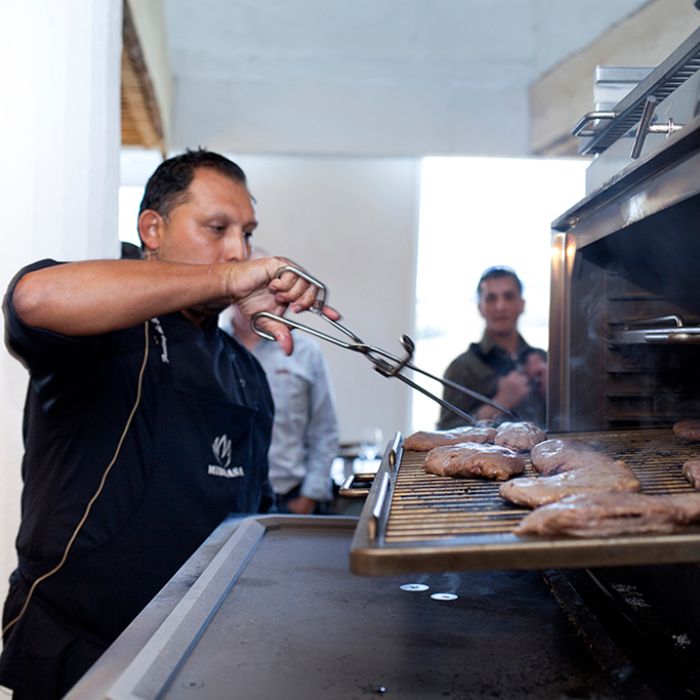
[
  {"x": 535, "y": 368},
  {"x": 301, "y": 505},
  {"x": 256, "y": 287},
  {"x": 512, "y": 389}
]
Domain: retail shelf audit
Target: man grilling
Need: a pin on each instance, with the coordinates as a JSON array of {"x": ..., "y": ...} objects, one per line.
[
  {"x": 144, "y": 424},
  {"x": 501, "y": 365}
]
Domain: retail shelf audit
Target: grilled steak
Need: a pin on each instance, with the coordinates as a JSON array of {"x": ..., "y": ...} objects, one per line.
[
  {"x": 597, "y": 478},
  {"x": 520, "y": 437},
  {"x": 555, "y": 456},
  {"x": 610, "y": 514},
  {"x": 422, "y": 441},
  {"x": 474, "y": 459},
  {"x": 691, "y": 471},
  {"x": 687, "y": 429}
]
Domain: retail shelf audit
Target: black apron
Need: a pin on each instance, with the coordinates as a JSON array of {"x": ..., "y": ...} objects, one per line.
[{"x": 190, "y": 486}]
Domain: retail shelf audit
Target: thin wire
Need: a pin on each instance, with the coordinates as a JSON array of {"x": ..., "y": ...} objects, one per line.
[{"x": 95, "y": 496}]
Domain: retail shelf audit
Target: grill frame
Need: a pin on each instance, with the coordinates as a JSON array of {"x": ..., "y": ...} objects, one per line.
[{"x": 416, "y": 522}]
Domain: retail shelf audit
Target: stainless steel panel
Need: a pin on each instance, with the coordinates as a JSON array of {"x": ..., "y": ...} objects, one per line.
[
  {"x": 662, "y": 82},
  {"x": 646, "y": 189},
  {"x": 558, "y": 384}
]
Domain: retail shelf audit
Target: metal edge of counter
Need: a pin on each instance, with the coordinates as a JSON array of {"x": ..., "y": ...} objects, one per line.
[{"x": 143, "y": 659}]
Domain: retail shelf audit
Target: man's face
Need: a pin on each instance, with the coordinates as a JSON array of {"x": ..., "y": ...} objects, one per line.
[
  {"x": 213, "y": 225},
  {"x": 500, "y": 304}
]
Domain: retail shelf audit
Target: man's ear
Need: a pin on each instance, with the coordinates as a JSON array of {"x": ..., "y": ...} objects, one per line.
[{"x": 150, "y": 226}]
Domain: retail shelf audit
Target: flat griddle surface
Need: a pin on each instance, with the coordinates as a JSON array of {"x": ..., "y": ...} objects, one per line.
[
  {"x": 298, "y": 625},
  {"x": 266, "y": 608}
]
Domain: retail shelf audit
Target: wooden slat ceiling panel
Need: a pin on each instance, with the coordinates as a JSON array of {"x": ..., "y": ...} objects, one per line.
[{"x": 140, "y": 115}]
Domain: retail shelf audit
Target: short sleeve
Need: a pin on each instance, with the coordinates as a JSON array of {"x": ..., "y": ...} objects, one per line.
[{"x": 38, "y": 347}]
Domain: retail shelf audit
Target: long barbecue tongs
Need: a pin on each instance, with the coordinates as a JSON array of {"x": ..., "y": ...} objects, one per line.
[{"x": 384, "y": 362}]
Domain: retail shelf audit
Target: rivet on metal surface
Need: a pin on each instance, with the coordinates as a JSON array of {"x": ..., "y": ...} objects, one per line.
[
  {"x": 381, "y": 689},
  {"x": 414, "y": 587},
  {"x": 444, "y": 596}
]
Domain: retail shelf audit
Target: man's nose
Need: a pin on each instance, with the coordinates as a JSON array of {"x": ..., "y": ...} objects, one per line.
[{"x": 236, "y": 248}]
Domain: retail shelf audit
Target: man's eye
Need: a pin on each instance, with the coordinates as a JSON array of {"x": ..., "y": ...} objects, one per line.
[
  {"x": 248, "y": 235},
  {"x": 217, "y": 227}
]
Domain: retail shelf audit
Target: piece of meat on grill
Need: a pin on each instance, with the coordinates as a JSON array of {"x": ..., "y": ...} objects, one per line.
[
  {"x": 520, "y": 437},
  {"x": 687, "y": 429},
  {"x": 691, "y": 471},
  {"x": 555, "y": 456},
  {"x": 423, "y": 440},
  {"x": 474, "y": 459},
  {"x": 538, "y": 491},
  {"x": 610, "y": 514}
]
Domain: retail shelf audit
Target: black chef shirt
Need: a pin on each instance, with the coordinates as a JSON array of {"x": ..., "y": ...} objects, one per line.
[{"x": 195, "y": 451}]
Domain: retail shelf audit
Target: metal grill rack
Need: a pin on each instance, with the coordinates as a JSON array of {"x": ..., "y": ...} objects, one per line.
[{"x": 433, "y": 523}]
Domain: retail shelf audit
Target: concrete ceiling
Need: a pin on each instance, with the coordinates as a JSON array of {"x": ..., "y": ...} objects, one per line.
[{"x": 369, "y": 77}]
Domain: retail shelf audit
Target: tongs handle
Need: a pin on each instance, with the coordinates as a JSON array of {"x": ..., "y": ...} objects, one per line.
[
  {"x": 322, "y": 295},
  {"x": 316, "y": 307}
]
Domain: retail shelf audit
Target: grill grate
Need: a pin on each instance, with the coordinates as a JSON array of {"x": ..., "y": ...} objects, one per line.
[{"x": 429, "y": 507}]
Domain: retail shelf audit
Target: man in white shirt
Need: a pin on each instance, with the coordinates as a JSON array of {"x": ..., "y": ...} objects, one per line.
[{"x": 305, "y": 430}]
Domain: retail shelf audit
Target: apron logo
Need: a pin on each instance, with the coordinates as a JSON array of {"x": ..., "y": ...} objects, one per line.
[{"x": 222, "y": 451}]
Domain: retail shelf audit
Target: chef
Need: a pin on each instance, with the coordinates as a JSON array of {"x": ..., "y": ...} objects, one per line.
[{"x": 144, "y": 424}]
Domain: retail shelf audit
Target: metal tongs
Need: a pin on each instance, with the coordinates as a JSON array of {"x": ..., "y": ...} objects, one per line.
[{"x": 384, "y": 362}]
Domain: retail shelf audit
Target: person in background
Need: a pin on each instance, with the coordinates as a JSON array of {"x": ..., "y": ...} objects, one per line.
[
  {"x": 145, "y": 426},
  {"x": 305, "y": 430},
  {"x": 501, "y": 366}
]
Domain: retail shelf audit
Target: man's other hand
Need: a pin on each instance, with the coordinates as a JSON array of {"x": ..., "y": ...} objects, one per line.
[
  {"x": 535, "y": 368},
  {"x": 301, "y": 505},
  {"x": 512, "y": 389}
]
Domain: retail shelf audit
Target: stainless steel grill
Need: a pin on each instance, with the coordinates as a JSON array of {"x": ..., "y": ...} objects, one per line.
[{"x": 431, "y": 523}]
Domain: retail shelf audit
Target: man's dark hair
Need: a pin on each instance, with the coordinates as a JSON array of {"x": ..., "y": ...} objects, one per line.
[
  {"x": 167, "y": 187},
  {"x": 497, "y": 272}
]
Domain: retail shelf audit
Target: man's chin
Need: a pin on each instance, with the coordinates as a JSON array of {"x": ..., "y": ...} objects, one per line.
[{"x": 502, "y": 328}]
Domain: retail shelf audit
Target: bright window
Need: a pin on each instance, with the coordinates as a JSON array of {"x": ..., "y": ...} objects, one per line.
[
  {"x": 129, "y": 200},
  {"x": 475, "y": 213}
]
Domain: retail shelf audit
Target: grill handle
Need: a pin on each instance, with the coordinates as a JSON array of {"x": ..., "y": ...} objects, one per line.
[
  {"x": 643, "y": 128},
  {"x": 586, "y": 119},
  {"x": 375, "y": 522}
]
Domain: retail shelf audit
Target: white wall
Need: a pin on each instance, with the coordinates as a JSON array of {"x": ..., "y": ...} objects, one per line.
[
  {"x": 59, "y": 68},
  {"x": 389, "y": 78},
  {"x": 352, "y": 222}
]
